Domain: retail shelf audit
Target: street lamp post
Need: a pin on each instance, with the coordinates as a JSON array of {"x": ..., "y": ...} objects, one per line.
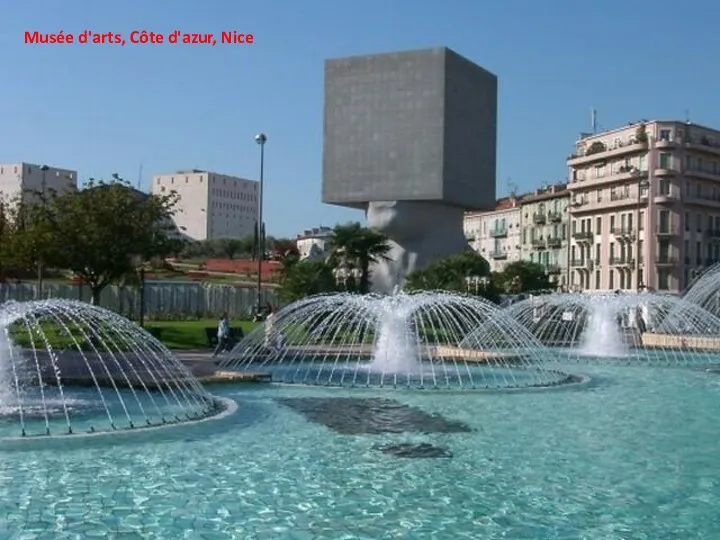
[
  {"x": 261, "y": 139},
  {"x": 40, "y": 270}
]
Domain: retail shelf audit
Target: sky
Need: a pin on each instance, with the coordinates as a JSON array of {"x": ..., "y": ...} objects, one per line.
[{"x": 103, "y": 109}]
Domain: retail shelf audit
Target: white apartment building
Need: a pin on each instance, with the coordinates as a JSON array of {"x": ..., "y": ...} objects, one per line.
[
  {"x": 26, "y": 178},
  {"x": 211, "y": 205},
  {"x": 496, "y": 234},
  {"x": 312, "y": 243}
]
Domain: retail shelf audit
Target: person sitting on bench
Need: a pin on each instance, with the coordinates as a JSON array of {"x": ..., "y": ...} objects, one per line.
[{"x": 223, "y": 335}]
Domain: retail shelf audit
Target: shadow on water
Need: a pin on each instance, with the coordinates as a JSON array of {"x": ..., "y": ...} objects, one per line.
[{"x": 356, "y": 416}]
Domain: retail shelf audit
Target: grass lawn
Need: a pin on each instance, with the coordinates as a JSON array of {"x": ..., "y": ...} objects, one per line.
[{"x": 184, "y": 335}]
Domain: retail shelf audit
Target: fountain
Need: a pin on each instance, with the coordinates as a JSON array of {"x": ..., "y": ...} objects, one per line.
[
  {"x": 67, "y": 367},
  {"x": 602, "y": 335},
  {"x": 636, "y": 328},
  {"x": 705, "y": 291},
  {"x": 401, "y": 340}
]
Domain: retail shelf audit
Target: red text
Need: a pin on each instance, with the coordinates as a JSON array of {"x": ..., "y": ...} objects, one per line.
[
  {"x": 58, "y": 38},
  {"x": 235, "y": 37}
]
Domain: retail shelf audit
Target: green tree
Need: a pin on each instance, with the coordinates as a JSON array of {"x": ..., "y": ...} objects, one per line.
[
  {"x": 230, "y": 247},
  {"x": 8, "y": 236},
  {"x": 355, "y": 246},
  {"x": 463, "y": 272},
  {"x": 304, "y": 278},
  {"x": 104, "y": 230},
  {"x": 523, "y": 276}
]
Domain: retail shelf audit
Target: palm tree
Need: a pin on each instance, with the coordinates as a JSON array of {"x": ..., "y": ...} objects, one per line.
[{"x": 354, "y": 246}]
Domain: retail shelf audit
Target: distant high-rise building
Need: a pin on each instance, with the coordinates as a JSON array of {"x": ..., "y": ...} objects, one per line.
[
  {"x": 27, "y": 179},
  {"x": 645, "y": 206},
  {"x": 211, "y": 205}
]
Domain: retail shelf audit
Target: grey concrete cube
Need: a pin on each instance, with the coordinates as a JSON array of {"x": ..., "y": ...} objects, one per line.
[{"x": 417, "y": 126}]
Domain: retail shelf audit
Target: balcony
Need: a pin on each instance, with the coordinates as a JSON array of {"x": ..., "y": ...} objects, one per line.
[
  {"x": 713, "y": 234},
  {"x": 622, "y": 231},
  {"x": 539, "y": 219},
  {"x": 623, "y": 174},
  {"x": 666, "y": 231},
  {"x": 706, "y": 173},
  {"x": 498, "y": 232},
  {"x": 587, "y": 264},
  {"x": 538, "y": 244},
  {"x": 598, "y": 151},
  {"x": 665, "y": 260},
  {"x": 498, "y": 255},
  {"x": 665, "y": 198},
  {"x": 583, "y": 236},
  {"x": 703, "y": 144},
  {"x": 622, "y": 261},
  {"x": 554, "y": 217},
  {"x": 554, "y": 243}
]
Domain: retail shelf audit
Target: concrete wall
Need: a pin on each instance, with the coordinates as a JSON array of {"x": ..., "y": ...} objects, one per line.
[{"x": 417, "y": 125}]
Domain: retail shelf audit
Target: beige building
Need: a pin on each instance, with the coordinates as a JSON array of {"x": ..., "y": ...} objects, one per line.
[
  {"x": 645, "y": 206},
  {"x": 496, "y": 234},
  {"x": 211, "y": 205},
  {"x": 27, "y": 178},
  {"x": 544, "y": 222}
]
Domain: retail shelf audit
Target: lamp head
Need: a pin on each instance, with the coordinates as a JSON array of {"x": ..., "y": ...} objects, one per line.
[{"x": 261, "y": 138}]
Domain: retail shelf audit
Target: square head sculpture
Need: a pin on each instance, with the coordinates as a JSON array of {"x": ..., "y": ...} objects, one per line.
[{"x": 409, "y": 126}]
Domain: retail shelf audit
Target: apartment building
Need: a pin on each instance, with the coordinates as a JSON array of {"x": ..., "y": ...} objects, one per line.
[
  {"x": 26, "y": 179},
  {"x": 544, "y": 223},
  {"x": 496, "y": 234},
  {"x": 312, "y": 243},
  {"x": 211, "y": 205},
  {"x": 645, "y": 206}
]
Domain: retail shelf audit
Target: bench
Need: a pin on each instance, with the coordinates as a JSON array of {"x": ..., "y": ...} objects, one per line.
[{"x": 236, "y": 334}]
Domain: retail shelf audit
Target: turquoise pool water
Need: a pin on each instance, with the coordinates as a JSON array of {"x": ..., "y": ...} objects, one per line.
[{"x": 633, "y": 454}]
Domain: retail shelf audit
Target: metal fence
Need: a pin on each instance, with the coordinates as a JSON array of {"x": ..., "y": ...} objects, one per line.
[{"x": 164, "y": 300}]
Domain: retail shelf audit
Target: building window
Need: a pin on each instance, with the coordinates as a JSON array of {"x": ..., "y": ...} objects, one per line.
[
  {"x": 665, "y": 160},
  {"x": 665, "y": 135},
  {"x": 663, "y": 278},
  {"x": 611, "y": 284}
]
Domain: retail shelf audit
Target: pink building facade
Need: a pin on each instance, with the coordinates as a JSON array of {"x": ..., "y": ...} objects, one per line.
[{"x": 644, "y": 207}]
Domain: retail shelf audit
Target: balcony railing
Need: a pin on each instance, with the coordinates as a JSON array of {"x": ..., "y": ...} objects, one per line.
[
  {"x": 599, "y": 150},
  {"x": 583, "y": 263},
  {"x": 498, "y": 255},
  {"x": 583, "y": 235},
  {"x": 554, "y": 243},
  {"x": 666, "y": 231},
  {"x": 539, "y": 219},
  {"x": 538, "y": 244},
  {"x": 622, "y": 261},
  {"x": 622, "y": 231},
  {"x": 554, "y": 217},
  {"x": 498, "y": 232},
  {"x": 665, "y": 260},
  {"x": 713, "y": 233}
]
